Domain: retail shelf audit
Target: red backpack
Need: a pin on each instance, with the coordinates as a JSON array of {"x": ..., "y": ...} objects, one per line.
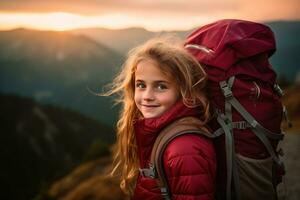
[{"x": 242, "y": 88}]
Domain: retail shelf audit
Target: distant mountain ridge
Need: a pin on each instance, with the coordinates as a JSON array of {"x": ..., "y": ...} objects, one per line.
[
  {"x": 285, "y": 60},
  {"x": 119, "y": 40},
  {"x": 124, "y": 39}
]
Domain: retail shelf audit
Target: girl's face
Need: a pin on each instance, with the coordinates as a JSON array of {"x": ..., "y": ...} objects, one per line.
[{"x": 155, "y": 92}]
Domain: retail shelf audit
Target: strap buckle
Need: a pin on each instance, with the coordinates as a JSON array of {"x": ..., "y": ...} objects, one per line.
[
  {"x": 241, "y": 125},
  {"x": 226, "y": 90},
  {"x": 224, "y": 118},
  {"x": 165, "y": 193},
  {"x": 148, "y": 172}
]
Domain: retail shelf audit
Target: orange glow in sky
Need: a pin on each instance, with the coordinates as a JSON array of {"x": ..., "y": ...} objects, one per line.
[
  {"x": 154, "y": 15},
  {"x": 58, "y": 21},
  {"x": 61, "y": 21}
]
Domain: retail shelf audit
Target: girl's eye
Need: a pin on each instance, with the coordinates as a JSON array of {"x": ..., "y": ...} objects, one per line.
[
  {"x": 140, "y": 85},
  {"x": 161, "y": 87}
]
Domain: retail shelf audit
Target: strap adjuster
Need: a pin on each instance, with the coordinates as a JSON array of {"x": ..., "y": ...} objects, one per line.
[
  {"x": 241, "y": 125},
  {"x": 165, "y": 193},
  {"x": 148, "y": 172},
  {"x": 224, "y": 118},
  {"x": 226, "y": 90}
]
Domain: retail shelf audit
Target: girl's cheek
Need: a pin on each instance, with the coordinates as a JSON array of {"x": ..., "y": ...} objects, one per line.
[{"x": 136, "y": 96}]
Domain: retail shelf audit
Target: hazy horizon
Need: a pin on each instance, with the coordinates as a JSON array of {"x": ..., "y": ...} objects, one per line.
[{"x": 125, "y": 28}]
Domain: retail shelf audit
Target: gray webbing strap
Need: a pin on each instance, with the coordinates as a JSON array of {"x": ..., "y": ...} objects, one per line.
[
  {"x": 227, "y": 86},
  {"x": 235, "y": 175},
  {"x": 268, "y": 145},
  {"x": 228, "y": 112},
  {"x": 233, "y": 125},
  {"x": 259, "y": 130},
  {"x": 148, "y": 172},
  {"x": 235, "y": 103},
  {"x": 256, "y": 128},
  {"x": 229, "y": 145}
]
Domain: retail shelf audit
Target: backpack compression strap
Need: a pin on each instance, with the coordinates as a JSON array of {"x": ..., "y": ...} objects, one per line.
[
  {"x": 227, "y": 125},
  {"x": 262, "y": 133},
  {"x": 179, "y": 127}
]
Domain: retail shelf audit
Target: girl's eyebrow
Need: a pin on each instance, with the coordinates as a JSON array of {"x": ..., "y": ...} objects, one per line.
[
  {"x": 161, "y": 81},
  {"x": 156, "y": 81}
]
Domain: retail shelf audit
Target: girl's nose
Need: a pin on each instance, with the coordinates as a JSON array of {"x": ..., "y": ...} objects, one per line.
[{"x": 148, "y": 95}]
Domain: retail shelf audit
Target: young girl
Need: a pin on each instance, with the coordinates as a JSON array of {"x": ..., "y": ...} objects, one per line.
[{"x": 159, "y": 83}]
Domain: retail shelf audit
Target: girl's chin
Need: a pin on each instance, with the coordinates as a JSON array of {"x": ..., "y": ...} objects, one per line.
[{"x": 151, "y": 115}]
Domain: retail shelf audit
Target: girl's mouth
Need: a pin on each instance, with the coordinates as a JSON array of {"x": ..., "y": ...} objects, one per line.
[{"x": 150, "y": 106}]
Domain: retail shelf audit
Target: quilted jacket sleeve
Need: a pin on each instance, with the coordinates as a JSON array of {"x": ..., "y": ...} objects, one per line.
[{"x": 190, "y": 165}]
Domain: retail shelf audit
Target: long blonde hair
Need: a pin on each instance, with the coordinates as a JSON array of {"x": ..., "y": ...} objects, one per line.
[{"x": 174, "y": 60}]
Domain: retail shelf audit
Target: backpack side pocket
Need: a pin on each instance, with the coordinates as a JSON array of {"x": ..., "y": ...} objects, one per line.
[{"x": 256, "y": 178}]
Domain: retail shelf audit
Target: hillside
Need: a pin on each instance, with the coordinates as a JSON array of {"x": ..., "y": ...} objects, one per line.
[
  {"x": 291, "y": 100},
  {"x": 58, "y": 68},
  {"x": 88, "y": 181},
  {"x": 42, "y": 143}
]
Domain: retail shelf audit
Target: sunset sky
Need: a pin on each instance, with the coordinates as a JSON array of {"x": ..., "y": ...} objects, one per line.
[{"x": 154, "y": 15}]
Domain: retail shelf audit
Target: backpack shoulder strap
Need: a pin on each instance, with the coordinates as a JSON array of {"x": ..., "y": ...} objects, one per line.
[{"x": 179, "y": 127}]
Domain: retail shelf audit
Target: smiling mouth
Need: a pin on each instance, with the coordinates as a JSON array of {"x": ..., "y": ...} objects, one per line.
[{"x": 150, "y": 106}]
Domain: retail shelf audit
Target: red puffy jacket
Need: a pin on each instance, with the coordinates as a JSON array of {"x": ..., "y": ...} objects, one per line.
[{"x": 189, "y": 160}]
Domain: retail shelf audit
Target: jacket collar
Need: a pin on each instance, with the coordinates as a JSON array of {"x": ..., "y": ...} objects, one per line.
[
  {"x": 177, "y": 111},
  {"x": 146, "y": 130}
]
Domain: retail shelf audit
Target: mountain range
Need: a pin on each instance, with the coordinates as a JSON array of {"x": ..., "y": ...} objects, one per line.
[{"x": 68, "y": 68}]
